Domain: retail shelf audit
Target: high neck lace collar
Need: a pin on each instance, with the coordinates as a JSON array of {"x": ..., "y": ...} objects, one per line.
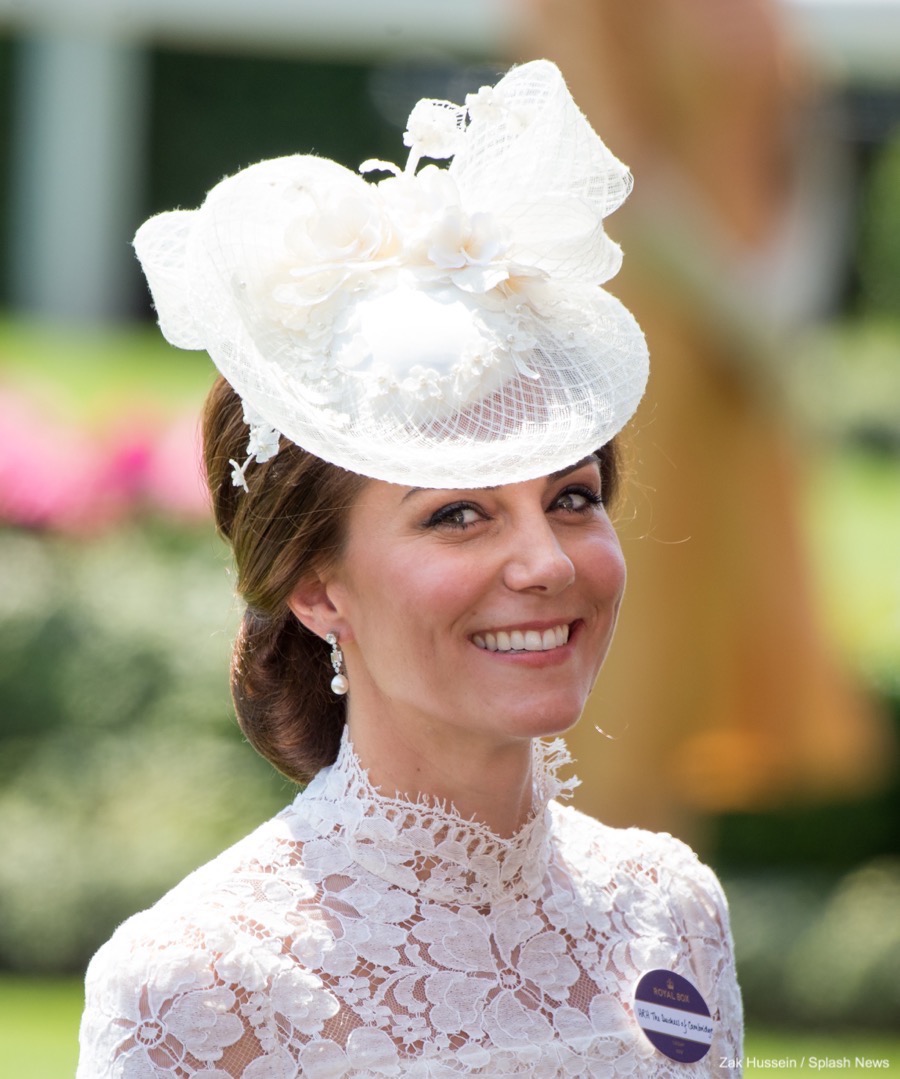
[{"x": 429, "y": 848}]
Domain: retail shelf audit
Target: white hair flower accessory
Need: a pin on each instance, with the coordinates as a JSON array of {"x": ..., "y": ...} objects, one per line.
[
  {"x": 262, "y": 446},
  {"x": 440, "y": 327}
]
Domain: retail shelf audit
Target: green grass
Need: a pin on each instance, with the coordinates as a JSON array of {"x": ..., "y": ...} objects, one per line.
[
  {"x": 790, "y": 1053},
  {"x": 39, "y": 1027},
  {"x": 39, "y": 1038},
  {"x": 91, "y": 372}
]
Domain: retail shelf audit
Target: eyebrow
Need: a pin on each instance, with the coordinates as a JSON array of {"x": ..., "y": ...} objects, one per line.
[
  {"x": 591, "y": 457},
  {"x": 574, "y": 468}
]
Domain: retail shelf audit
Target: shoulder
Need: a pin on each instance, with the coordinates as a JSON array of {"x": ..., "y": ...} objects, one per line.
[
  {"x": 657, "y": 907},
  {"x": 259, "y": 871},
  {"x": 180, "y": 972},
  {"x": 640, "y": 862},
  {"x": 642, "y": 850}
]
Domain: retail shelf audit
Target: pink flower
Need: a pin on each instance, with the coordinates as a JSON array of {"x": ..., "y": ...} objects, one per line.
[
  {"x": 51, "y": 474},
  {"x": 61, "y": 476},
  {"x": 173, "y": 480}
]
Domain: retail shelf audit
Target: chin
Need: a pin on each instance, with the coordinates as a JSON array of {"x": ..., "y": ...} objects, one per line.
[{"x": 548, "y": 722}]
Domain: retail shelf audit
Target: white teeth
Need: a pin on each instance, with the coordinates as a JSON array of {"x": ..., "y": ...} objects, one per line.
[{"x": 517, "y": 640}]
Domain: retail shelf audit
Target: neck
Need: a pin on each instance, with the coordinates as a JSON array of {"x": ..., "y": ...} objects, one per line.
[{"x": 486, "y": 781}]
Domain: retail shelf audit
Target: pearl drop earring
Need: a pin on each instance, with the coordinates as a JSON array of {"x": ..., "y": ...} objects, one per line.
[{"x": 339, "y": 683}]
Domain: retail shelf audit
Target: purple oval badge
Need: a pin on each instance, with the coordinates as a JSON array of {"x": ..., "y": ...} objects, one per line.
[{"x": 673, "y": 1015}]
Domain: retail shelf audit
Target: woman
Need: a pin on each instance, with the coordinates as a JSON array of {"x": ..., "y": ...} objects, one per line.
[{"x": 432, "y": 583}]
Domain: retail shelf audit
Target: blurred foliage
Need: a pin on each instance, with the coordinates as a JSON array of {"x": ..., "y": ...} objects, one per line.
[
  {"x": 853, "y": 516},
  {"x": 828, "y": 838},
  {"x": 879, "y": 242},
  {"x": 843, "y": 382},
  {"x": 122, "y": 767},
  {"x": 820, "y": 952}
]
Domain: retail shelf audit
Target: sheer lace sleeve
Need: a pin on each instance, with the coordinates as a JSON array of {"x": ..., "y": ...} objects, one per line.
[{"x": 157, "y": 1007}]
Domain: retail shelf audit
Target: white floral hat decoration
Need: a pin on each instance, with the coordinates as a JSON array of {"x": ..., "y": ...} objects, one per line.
[{"x": 443, "y": 327}]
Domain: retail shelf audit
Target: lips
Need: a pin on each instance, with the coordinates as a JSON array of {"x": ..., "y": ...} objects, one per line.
[{"x": 523, "y": 640}]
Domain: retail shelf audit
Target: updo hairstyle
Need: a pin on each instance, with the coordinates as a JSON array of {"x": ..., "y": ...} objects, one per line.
[{"x": 290, "y": 523}]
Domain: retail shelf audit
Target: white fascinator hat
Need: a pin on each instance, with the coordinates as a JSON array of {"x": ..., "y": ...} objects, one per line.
[{"x": 438, "y": 327}]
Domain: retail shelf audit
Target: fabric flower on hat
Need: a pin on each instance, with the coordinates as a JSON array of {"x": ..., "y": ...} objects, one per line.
[
  {"x": 440, "y": 238},
  {"x": 336, "y": 236}
]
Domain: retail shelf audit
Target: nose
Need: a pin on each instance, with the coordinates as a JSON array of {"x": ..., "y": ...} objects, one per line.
[{"x": 536, "y": 560}]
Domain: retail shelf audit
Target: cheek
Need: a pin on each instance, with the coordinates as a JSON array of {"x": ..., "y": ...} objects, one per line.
[
  {"x": 618, "y": 573},
  {"x": 604, "y": 569},
  {"x": 448, "y": 586},
  {"x": 406, "y": 603}
]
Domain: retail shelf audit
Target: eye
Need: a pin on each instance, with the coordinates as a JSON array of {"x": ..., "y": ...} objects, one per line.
[
  {"x": 577, "y": 500},
  {"x": 459, "y": 515}
]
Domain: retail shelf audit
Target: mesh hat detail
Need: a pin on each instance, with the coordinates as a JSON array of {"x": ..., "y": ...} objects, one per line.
[{"x": 441, "y": 327}]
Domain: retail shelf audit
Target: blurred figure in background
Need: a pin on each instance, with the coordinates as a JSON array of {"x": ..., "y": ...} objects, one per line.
[{"x": 721, "y": 693}]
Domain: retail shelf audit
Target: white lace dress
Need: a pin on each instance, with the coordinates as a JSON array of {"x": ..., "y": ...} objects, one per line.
[{"x": 358, "y": 935}]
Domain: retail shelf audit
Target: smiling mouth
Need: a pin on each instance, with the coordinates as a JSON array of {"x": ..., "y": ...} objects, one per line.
[{"x": 519, "y": 640}]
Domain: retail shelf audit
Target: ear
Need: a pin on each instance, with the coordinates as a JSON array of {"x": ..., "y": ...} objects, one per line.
[{"x": 311, "y": 604}]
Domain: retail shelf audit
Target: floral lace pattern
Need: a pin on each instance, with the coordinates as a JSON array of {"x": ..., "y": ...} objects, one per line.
[{"x": 357, "y": 935}]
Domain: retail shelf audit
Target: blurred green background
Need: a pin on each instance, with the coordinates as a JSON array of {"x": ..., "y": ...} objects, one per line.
[{"x": 121, "y": 767}]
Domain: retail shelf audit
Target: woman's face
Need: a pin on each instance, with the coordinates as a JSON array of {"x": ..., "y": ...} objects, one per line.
[{"x": 482, "y": 612}]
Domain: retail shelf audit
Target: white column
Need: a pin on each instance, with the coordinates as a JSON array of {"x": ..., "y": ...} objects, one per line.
[{"x": 78, "y": 143}]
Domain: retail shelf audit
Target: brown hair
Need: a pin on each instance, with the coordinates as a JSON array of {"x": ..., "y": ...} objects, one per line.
[{"x": 289, "y": 523}]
